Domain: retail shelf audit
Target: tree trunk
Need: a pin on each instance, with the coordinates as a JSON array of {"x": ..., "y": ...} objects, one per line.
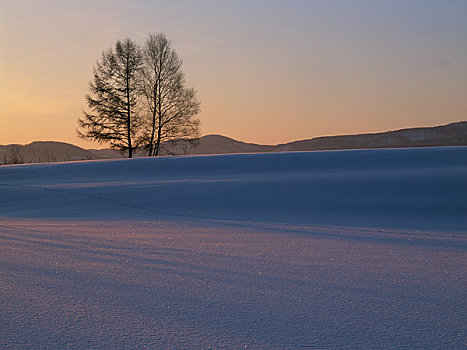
[
  {"x": 153, "y": 131},
  {"x": 159, "y": 129},
  {"x": 159, "y": 137},
  {"x": 128, "y": 121}
]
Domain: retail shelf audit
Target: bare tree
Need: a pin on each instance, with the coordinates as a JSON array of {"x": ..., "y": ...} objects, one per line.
[
  {"x": 171, "y": 108},
  {"x": 114, "y": 97},
  {"x": 12, "y": 155}
]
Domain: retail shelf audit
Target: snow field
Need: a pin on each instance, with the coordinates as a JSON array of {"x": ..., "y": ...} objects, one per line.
[{"x": 352, "y": 249}]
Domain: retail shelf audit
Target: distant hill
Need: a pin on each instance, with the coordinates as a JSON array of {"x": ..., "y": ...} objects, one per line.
[
  {"x": 215, "y": 144},
  {"x": 47, "y": 151},
  {"x": 454, "y": 134},
  {"x": 105, "y": 153}
]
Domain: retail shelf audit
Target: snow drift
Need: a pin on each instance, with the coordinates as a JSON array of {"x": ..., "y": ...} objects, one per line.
[{"x": 398, "y": 188}]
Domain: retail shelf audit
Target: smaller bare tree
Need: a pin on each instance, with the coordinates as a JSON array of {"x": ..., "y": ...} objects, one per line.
[{"x": 171, "y": 108}]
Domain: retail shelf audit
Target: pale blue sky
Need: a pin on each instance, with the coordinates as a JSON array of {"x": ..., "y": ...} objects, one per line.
[{"x": 265, "y": 71}]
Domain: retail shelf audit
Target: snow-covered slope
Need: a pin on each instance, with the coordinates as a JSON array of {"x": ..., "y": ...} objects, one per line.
[
  {"x": 403, "y": 188},
  {"x": 326, "y": 250}
]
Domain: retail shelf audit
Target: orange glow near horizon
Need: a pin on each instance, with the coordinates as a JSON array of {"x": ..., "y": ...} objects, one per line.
[{"x": 266, "y": 72}]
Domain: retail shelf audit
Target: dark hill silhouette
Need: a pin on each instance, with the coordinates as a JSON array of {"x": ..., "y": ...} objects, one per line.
[
  {"x": 454, "y": 134},
  {"x": 216, "y": 144},
  {"x": 48, "y": 151}
]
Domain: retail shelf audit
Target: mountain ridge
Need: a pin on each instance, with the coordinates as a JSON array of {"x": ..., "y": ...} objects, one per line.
[{"x": 452, "y": 134}]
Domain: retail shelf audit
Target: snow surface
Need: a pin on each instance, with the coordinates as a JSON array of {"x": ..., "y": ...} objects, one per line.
[{"x": 337, "y": 249}]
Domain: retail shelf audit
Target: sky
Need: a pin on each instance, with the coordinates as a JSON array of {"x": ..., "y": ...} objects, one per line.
[{"x": 266, "y": 71}]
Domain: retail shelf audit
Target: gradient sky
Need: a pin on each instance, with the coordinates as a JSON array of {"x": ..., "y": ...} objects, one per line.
[{"x": 266, "y": 71}]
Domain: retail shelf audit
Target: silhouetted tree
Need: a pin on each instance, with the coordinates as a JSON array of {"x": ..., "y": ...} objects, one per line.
[
  {"x": 114, "y": 98},
  {"x": 12, "y": 155},
  {"x": 171, "y": 108}
]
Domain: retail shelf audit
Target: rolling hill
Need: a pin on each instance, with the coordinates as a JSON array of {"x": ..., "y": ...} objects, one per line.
[
  {"x": 47, "y": 151},
  {"x": 454, "y": 134}
]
